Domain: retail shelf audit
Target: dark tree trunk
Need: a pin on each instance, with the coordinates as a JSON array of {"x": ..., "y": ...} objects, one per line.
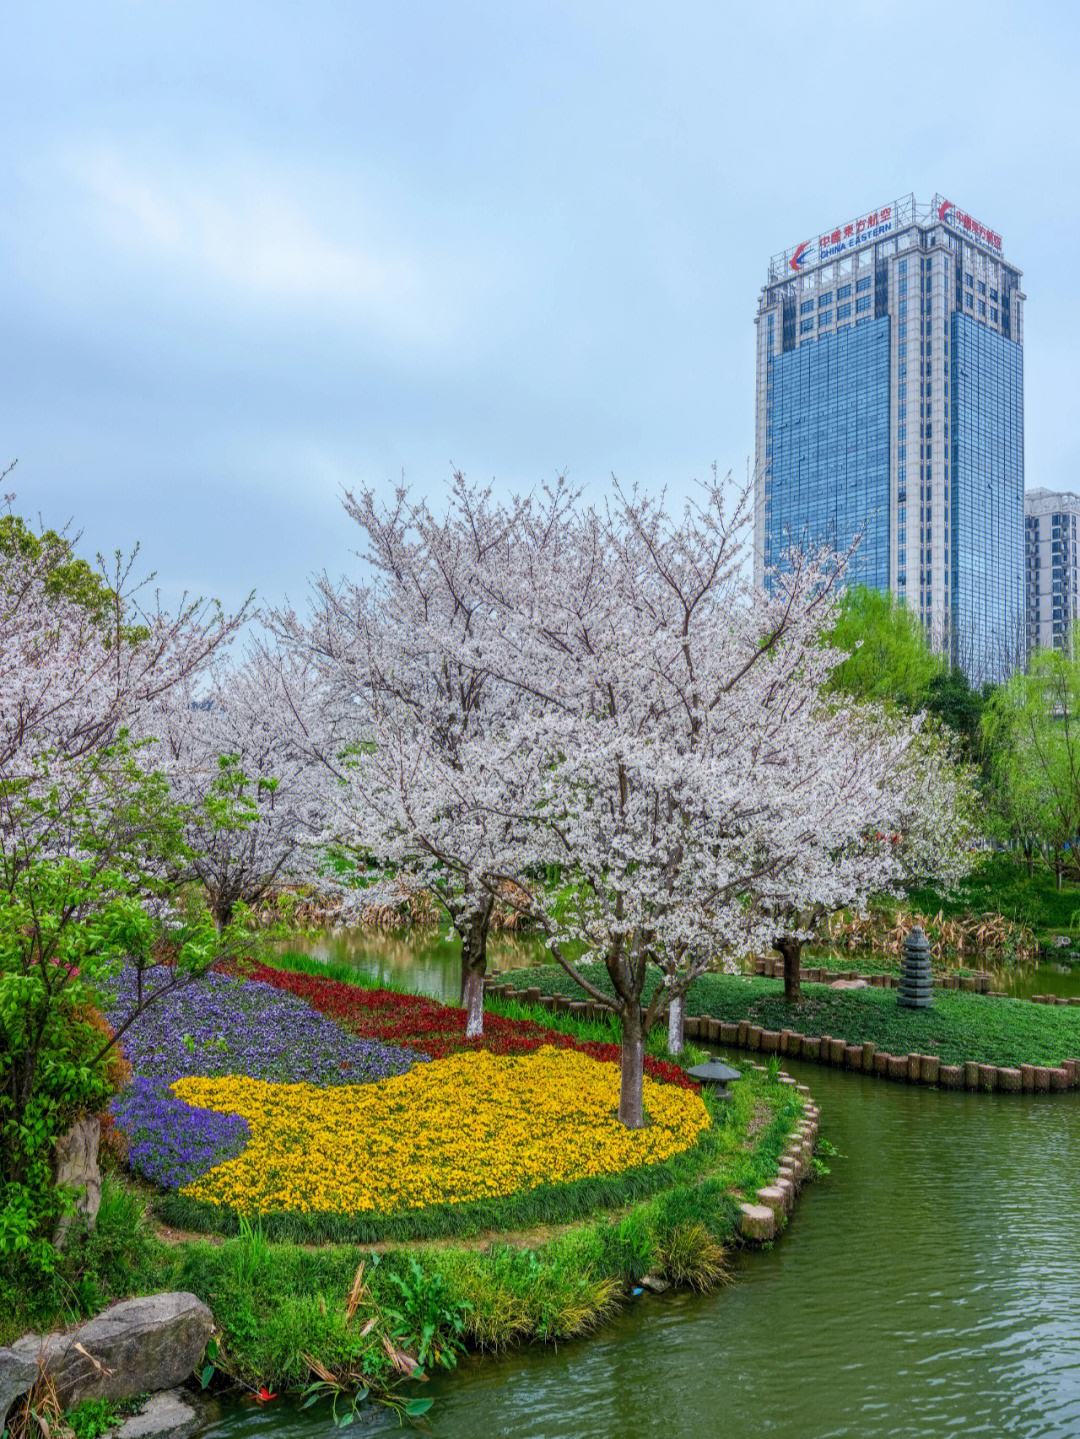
[
  {"x": 791, "y": 949},
  {"x": 631, "y": 1111},
  {"x": 676, "y": 1024},
  {"x": 222, "y": 912}
]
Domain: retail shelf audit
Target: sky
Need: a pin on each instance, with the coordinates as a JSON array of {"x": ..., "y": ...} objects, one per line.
[{"x": 255, "y": 254}]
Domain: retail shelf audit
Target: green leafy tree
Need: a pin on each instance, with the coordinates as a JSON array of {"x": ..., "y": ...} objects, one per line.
[
  {"x": 65, "y": 573},
  {"x": 889, "y": 658},
  {"x": 1031, "y": 731}
]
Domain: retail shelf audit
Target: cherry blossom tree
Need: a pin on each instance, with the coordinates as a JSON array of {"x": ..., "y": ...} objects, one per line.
[
  {"x": 87, "y": 831},
  {"x": 892, "y": 807},
  {"x": 664, "y": 698},
  {"x": 417, "y": 738},
  {"x": 234, "y": 750}
]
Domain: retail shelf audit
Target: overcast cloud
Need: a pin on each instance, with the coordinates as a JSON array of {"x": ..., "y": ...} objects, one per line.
[{"x": 254, "y": 253}]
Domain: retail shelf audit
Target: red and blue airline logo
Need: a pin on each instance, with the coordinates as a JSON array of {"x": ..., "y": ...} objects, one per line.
[{"x": 800, "y": 255}]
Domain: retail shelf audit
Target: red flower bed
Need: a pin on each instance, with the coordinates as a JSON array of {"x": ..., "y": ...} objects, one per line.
[{"x": 436, "y": 1029}]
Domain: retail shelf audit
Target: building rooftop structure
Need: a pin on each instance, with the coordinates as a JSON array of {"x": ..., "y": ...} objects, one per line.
[{"x": 890, "y": 410}]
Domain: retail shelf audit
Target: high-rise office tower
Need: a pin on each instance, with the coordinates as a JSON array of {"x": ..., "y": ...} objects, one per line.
[
  {"x": 890, "y": 404},
  {"x": 1052, "y": 564}
]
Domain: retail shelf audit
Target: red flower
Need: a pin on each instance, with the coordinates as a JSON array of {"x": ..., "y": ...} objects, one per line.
[{"x": 437, "y": 1029}]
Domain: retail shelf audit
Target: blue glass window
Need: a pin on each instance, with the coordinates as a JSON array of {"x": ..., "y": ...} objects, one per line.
[
  {"x": 862, "y": 305},
  {"x": 863, "y": 284},
  {"x": 830, "y": 459},
  {"x": 845, "y": 290},
  {"x": 825, "y": 318},
  {"x": 843, "y": 311},
  {"x": 806, "y": 326},
  {"x": 987, "y": 491},
  {"x": 806, "y": 307}
]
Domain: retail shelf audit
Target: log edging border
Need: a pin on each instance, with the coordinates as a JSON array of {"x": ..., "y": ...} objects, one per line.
[{"x": 865, "y": 1058}]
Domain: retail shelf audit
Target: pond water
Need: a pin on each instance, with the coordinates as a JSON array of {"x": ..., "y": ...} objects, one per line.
[
  {"x": 426, "y": 959},
  {"x": 929, "y": 1286}
]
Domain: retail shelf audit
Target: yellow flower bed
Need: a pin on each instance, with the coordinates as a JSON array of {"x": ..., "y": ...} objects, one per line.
[{"x": 473, "y": 1126}]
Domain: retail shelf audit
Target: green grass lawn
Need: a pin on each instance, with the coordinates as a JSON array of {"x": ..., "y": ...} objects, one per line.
[{"x": 959, "y": 1027}]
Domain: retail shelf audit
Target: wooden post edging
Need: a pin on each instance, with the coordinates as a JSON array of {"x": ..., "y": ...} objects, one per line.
[{"x": 866, "y": 1058}]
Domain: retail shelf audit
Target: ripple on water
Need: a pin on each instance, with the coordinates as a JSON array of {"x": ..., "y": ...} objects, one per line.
[{"x": 928, "y": 1289}]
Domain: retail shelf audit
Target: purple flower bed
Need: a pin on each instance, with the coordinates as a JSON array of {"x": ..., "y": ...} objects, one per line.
[
  {"x": 170, "y": 1142},
  {"x": 220, "y": 1026},
  {"x": 215, "y": 1027}
]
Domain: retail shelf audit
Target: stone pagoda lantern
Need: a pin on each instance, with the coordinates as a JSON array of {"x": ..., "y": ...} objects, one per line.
[{"x": 916, "y": 988}]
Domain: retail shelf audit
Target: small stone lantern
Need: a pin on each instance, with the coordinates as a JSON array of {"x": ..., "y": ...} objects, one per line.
[
  {"x": 716, "y": 1075},
  {"x": 916, "y": 988}
]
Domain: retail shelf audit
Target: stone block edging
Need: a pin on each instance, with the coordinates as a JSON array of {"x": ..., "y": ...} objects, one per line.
[
  {"x": 761, "y": 1219},
  {"x": 926, "y": 1069}
]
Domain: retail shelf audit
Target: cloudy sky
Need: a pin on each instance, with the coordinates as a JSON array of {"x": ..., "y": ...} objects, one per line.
[{"x": 253, "y": 253}]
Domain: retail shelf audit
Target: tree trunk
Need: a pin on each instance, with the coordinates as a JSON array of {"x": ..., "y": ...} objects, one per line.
[
  {"x": 473, "y": 968},
  {"x": 676, "y": 1020},
  {"x": 632, "y": 1069},
  {"x": 222, "y": 912},
  {"x": 75, "y": 1165},
  {"x": 791, "y": 949},
  {"x": 474, "y": 1004}
]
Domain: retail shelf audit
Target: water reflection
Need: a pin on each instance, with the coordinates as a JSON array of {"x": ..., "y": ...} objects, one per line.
[
  {"x": 930, "y": 1286},
  {"x": 424, "y": 959}
]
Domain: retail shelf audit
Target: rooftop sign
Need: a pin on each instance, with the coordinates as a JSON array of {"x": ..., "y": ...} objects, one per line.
[
  {"x": 877, "y": 225},
  {"x": 949, "y": 214}
]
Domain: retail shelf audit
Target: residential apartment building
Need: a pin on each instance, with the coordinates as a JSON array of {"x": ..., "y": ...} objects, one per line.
[
  {"x": 1051, "y": 567},
  {"x": 890, "y": 406}
]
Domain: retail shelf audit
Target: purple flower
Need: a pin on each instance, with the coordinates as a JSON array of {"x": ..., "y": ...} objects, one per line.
[
  {"x": 219, "y": 1026},
  {"x": 170, "y": 1142},
  {"x": 216, "y": 1026}
]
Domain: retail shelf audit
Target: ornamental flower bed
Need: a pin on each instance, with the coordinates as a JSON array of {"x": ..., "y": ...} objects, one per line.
[
  {"x": 220, "y": 1026},
  {"x": 437, "y": 1029},
  {"x": 472, "y": 1126}
]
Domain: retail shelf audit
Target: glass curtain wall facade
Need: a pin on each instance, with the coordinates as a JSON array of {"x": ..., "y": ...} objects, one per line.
[
  {"x": 829, "y": 439},
  {"x": 987, "y": 500},
  {"x": 890, "y": 405}
]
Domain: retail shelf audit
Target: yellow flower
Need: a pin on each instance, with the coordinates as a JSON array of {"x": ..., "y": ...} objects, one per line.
[{"x": 473, "y": 1126}]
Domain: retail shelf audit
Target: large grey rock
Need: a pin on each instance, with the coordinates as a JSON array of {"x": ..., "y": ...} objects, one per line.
[
  {"x": 17, "y": 1375},
  {"x": 135, "y": 1346},
  {"x": 163, "y": 1416}
]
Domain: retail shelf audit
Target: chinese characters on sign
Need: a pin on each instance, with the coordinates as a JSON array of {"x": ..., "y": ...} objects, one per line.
[
  {"x": 831, "y": 243},
  {"x": 949, "y": 215},
  {"x": 875, "y": 225},
  {"x": 848, "y": 237}
]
